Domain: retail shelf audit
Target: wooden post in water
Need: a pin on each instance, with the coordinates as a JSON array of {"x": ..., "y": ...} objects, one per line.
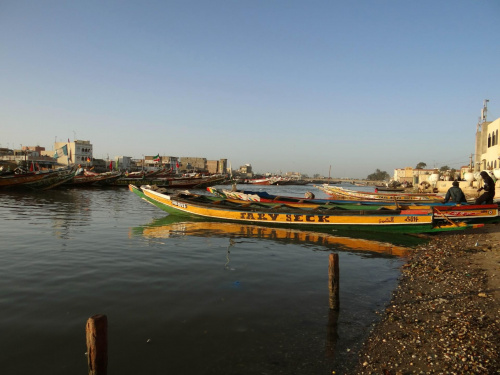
[
  {"x": 333, "y": 280},
  {"x": 331, "y": 333},
  {"x": 97, "y": 344}
]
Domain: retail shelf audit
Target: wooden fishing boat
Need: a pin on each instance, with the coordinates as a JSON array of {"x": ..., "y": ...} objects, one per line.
[
  {"x": 148, "y": 174},
  {"x": 195, "y": 182},
  {"x": 262, "y": 196},
  {"x": 407, "y": 221},
  {"x": 259, "y": 181},
  {"x": 37, "y": 180},
  {"x": 448, "y": 211},
  {"x": 52, "y": 179},
  {"x": 391, "y": 189},
  {"x": 339, "y": 193},
  {"x": 13, "y": 180},
  {"x": 89, "y": 178}
]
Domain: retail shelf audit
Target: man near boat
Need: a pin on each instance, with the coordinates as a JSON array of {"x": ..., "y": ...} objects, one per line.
[
  {"x": 455, "y": 194},
  {"x": 489, "y": 189}
]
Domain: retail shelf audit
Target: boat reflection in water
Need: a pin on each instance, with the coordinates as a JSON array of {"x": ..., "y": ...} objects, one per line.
[
  {"x": 383, "y": 244},
  {"x": 171, "y": 227}
]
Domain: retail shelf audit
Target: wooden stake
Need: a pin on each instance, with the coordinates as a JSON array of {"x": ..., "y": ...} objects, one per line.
[
  {"x": 333, "y": 280},
  {"x": 97, "y": 344}
]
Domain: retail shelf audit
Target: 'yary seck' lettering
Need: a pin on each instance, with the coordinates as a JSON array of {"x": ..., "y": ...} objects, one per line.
[{"x": 293, "y": 218}]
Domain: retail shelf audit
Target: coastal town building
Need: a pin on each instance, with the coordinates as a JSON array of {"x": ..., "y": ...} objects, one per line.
[
  {"x": 216, "y": 166},
  {"x": 28, "y": 156},
  {"x": 487, "y": 150},
  {"x": 193, "y": 164},
  {"x": 123, "y": 163},
  {"x": 152, "y": 162},
  {"x": 245, "y": 171},
  {"x": 6, "y": 151},
  {"x": 293, "y": 175},
  {"x": 413, "y": 175},
  {"x": 76, "y": 152},
  {"x": 212, "y": 166},
  {"x": 486, "y": 157}
]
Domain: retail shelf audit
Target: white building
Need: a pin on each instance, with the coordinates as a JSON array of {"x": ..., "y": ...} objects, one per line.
[
  {"x": 487, "y": 153},
  {"x": 77, "y": 152}
]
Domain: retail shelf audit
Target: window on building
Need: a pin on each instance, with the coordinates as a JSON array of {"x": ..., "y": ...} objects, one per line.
[
  {"x": 493, "y": 143},
  {"x": 489, "y": 140},
  {"x": 496, "y": 137}
]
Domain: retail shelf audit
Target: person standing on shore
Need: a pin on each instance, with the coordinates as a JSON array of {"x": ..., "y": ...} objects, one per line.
[
  {"x": 489, "y": 189},
  {"x": 455, "y": 194}
]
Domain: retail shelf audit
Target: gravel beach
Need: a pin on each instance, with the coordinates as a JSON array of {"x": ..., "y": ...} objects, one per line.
[{"x": 444, "y": 318}]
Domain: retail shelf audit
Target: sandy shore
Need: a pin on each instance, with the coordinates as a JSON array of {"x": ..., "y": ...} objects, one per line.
[{"x": 444, "y": 318}]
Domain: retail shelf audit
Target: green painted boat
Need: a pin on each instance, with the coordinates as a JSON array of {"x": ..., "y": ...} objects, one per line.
[{"x": 399, "y": 220}]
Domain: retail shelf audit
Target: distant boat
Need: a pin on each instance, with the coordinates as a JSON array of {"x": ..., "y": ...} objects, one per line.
[
  {"x": 53, "y": 179},
  {"x": 176, "y": 182},
  {"x": 89, "y": 178},
  {"x": 288, "y": 181},
  {"x": 341, "y": 193},
  {"x": 11, "y": 180},
  {"x": 388, "y": 188},
  {"x": 39, "y": 180},
  {"x": 259, "y": 181}
]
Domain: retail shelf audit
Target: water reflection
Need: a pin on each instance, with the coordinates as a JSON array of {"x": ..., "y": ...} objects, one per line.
[
  {"x": 64, "y": 209},
  {"x": 231, "y": 243},
  {"x": 171, "y": 226}
]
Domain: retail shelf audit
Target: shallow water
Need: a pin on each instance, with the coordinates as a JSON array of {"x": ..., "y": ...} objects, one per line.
[{"x": 183, "y": 297}]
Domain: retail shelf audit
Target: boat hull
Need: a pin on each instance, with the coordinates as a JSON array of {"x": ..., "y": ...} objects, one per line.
[
  {"x": 341, "y": 193},
  {"x": 16, "y": 180},
  {"x": 174, "y": 182},
  {"x": 408, "y": 221},
  {"x": 450, "y": 211}
]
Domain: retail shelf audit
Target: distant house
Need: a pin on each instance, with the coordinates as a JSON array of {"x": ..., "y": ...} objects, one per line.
[{"x": 413, "y": 175}]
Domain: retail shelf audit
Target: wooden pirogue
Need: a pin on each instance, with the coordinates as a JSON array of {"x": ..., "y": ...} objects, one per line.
[
  {"x": 340, "y": 193},
  {"x": 39, "y": 180},
  {"x": 263, "y": 196},
  {"x": 449, "y": 211},
  {"x": 407, "y": 221}
]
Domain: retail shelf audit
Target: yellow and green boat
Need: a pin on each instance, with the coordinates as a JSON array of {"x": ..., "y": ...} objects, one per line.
[{"x": 391, "y": 220}]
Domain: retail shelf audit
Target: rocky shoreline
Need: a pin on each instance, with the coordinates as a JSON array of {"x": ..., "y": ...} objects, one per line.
[{"x": 444, "y": 318}]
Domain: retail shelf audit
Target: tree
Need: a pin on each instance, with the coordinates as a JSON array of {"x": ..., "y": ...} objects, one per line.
[
  {"x": 444, "y": 168},
  {"x": 421, "y": 165},
  {"x": 378, "y": 176}
]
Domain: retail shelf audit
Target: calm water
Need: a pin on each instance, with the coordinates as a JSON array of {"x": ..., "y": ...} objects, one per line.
[{"x": 181, "y": 297}]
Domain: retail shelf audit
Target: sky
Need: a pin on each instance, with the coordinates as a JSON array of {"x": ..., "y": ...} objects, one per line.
[{"x": 318, "y": 87}]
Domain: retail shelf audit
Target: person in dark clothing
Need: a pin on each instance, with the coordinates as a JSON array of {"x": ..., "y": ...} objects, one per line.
[
  {"x": 489, "y": 189},
  {"x": 455, "y": 194}
]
